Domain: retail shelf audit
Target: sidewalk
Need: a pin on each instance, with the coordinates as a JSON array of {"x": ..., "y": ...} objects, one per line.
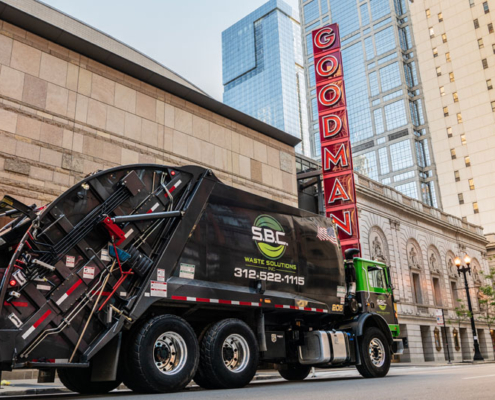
[{"x": 20, "y": 387}]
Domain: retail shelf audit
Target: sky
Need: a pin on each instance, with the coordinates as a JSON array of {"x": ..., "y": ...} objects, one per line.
[{"x": 183, "y": 35}]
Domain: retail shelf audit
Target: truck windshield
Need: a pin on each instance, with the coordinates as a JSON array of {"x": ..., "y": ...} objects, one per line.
[{"x": 376, "y": 277}]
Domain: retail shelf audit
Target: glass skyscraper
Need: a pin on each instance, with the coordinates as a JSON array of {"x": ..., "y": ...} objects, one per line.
[
  {"x": 389, "y": 132},
  {"x": 263, "y": 72}
]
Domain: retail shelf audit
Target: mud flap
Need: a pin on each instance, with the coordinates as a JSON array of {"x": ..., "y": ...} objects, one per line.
[{"x": 105, "y": 362}]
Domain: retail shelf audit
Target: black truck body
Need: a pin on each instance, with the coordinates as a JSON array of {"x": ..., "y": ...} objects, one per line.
[{"x": 135, "y": 249}]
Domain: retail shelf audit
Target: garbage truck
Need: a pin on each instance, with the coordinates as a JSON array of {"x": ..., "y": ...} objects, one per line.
[{"x": 155, "y": 276}]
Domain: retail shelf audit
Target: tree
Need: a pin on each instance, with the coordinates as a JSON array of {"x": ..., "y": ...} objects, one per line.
[
  {"x": 486, "y": 297},
  {"x": 462, "y": 313}
]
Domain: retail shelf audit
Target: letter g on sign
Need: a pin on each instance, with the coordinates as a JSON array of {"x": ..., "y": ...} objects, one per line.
[{"x": 325, "y": 38}]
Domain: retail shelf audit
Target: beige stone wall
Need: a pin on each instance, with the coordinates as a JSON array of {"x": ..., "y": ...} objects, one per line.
[
  {"x": 63, "y": 116},
  {"x": 474, "y": 100}
]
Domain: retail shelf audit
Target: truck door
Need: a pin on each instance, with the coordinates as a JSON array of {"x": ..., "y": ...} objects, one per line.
[{"x": 380, "y": 298}]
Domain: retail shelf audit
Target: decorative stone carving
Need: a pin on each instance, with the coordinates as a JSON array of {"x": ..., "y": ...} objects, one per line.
[
  {"x": 377, "y": 253},
  {"x": 378, "y": 245},
  {"x": 413, "y": 258},
  {"x": 433, "y": 263},
  {"x": 452, "y": 269},
  {"x": 476, "y": 274},
  {"x": 394, "y": 224}
]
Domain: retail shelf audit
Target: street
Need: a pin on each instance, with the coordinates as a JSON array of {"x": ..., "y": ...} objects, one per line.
[{"x": 443, "y": 382}]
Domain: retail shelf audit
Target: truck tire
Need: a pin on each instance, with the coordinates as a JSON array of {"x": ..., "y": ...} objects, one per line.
[
  {"x": 200, "y": 378},
  {"x": 79, "y": 380},
  {"x": 375, "y": 354},
  {"x": 229, "y": 355},
  {"x": 162, "y": 356},
  {"x": 294, "y": 372}
]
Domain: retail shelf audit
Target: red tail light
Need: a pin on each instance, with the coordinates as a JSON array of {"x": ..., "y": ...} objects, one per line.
[{"x": 13, "y": 282}]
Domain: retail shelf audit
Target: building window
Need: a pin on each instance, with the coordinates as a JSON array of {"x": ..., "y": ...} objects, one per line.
[
  {"x": 456, "y": 97},
  {"x": 476, "y": 23},
  {"x": 449, "y": 132},
  {"x": 452, "y": 154},
  {"x": 490, "y": 28},
  {"x": 471, "y": 3},
  {"x": 442, "y": 91},
  {"x": 459, "y": 118},
  {"x": 445, "y": 111},
  {"x": 493, "y": 48},
  {"x": 467, "y": 161},
  {"x": 440, "y": 17},
  {"x": 455, "y": 295},
  {"x": 484, "y": 62},
  {"x": 480, "y": 43},
  {"x": 463, "y": 139},
  {"x": 493, "y": 105},
  {"x": 489, "y": 84},
  {"x": 451, "y": 77},
  {"x": 471, "y": 184},
  {"x": 447, "y": 57},
  {"x": 418, "y": 297},
  {"x": 475, "y": 208},
  {"x": 428, "y": 13},
  {"x": 457, "y": 176},
  {"x": 486, "y": 9},
  {"x": 460, "y": 197},
  {"x": 432, "y": 32},
  {"x": 439, "y": 71},
  {"x": 435, "y": 52},
  {"x": 438, "y": 292},
  {"x": 444, "y": 37}
]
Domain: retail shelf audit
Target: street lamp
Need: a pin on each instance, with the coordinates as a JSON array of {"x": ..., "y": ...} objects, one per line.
[{"x": 467, "y": 268}]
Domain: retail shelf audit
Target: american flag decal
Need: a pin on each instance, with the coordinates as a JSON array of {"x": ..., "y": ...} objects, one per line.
[{"x": 326, "y": 234}]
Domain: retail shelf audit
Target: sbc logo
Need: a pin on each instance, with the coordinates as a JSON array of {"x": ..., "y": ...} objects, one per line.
[
  {"x": 382, "y": 302},
  {"x": 269, "y": 237}
]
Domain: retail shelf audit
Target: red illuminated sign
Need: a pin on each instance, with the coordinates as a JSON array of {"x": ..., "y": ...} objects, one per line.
[{"x": 336, "y": 156}]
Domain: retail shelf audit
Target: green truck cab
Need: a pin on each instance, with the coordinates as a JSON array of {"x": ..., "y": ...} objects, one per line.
[{"x": 374, "y": 291}]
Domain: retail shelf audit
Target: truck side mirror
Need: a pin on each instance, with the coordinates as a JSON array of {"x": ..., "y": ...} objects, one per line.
[{"x": 350, "y": 253}]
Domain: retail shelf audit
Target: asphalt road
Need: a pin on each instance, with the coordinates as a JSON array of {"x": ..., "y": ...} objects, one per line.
[{"x": 432, "y": 383}]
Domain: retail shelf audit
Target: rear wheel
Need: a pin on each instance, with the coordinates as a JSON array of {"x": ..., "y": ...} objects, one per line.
[
  {"x": 79, "y": 380},
  {"x": 229, "y": 355},
  {"x": 294, "y": 372},
  {"x": 162, "y": 357},
  {"x": 375, "y": 354}
]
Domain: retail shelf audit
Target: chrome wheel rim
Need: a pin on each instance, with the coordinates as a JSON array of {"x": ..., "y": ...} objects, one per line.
[
  {"x": 235, "y": 353},
  {"x": 377, "y": 352},
  {"x": 170, "y": 353}
]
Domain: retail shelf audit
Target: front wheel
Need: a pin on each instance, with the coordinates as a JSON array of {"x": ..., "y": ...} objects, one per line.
[{"x": 375, "y": 354}]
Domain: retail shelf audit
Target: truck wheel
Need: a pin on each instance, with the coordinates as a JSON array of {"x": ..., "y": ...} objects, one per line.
[
  {"x": 229, "y": 355},
  {"x": 200, "y": 378},
  {"x": 294, "y": 372},
  {"x": 375, "y": 354},
  {"x": 162, "y": 357},
  {"x": 79, "y": 380}
]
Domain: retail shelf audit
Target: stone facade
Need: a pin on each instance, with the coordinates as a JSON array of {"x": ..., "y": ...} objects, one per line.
[
  {"x": 420, "y": 243},
  {"x": 63, "y": 116}
]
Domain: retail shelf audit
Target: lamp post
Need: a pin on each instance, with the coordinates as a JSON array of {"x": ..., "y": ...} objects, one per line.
[{"x": 467, "y": 268}]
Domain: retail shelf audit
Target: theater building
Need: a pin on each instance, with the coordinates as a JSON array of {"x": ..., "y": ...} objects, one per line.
[{"x": 74, "y": 100}]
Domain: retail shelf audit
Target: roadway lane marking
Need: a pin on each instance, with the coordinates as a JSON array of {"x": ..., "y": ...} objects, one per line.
[{"x": 476, "y": 377}]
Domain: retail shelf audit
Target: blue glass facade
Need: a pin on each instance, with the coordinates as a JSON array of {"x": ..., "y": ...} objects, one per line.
[
  {"x": 389, "y": 134},
  {"x": 263, "y": 73}
]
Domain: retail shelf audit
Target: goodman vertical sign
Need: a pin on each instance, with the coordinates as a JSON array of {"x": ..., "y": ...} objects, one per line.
[{"x": 338, "y": 177}]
